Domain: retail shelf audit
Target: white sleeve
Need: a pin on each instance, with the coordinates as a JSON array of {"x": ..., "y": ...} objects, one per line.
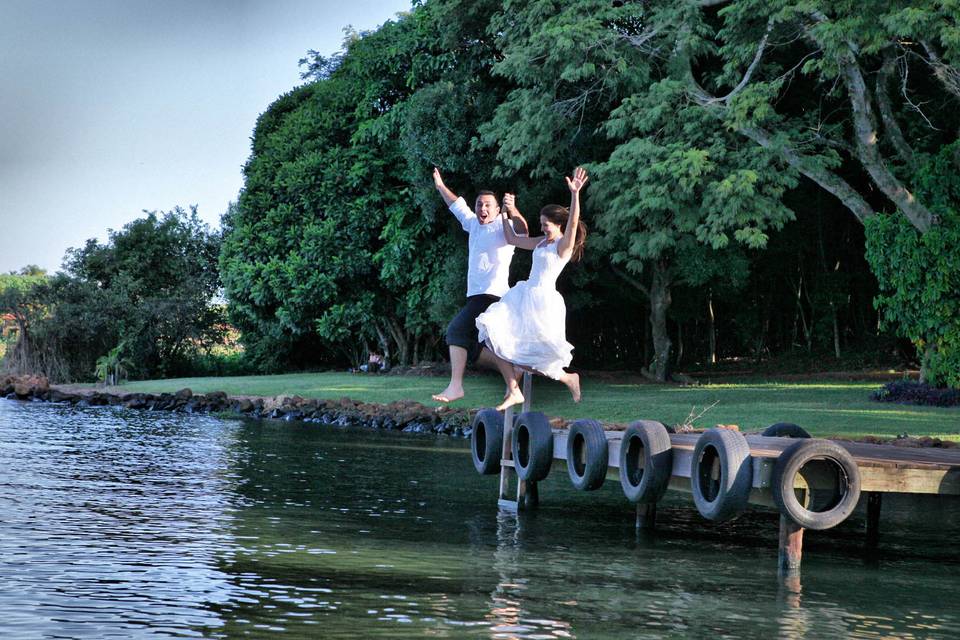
[{"x": 463, "y": 213}]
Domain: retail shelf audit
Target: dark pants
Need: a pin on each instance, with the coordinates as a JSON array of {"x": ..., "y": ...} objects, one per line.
[{"x": 462, "y": 330}]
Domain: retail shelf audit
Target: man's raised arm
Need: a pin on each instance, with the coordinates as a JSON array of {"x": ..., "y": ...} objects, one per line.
[{"x": 449, "y": 197}]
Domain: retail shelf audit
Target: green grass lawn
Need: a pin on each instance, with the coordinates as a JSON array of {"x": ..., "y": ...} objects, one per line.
[{"x": 825, "y": 408}]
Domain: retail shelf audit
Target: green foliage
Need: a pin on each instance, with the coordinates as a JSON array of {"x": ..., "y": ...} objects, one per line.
[
  {"x": 149, "y": 288},
  {"x": 111, "y": 368},
  {"x": 339, "y": 243},
  {"x": 19, "y": 299},
  {"x": 695, "y": 121},
  {"x": 919, "y": 274}
]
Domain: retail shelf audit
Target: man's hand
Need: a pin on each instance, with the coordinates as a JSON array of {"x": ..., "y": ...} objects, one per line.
[{"x": 449, "y": 197}]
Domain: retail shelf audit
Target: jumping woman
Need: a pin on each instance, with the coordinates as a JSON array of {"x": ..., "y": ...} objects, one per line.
[{"x": 526, "y": 329}]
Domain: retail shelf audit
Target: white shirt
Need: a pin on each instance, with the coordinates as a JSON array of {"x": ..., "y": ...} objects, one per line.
[{"x": 488, "y": 264}]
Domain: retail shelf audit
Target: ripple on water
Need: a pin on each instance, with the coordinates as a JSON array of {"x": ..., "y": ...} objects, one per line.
[{"x": 140, "y": 524}]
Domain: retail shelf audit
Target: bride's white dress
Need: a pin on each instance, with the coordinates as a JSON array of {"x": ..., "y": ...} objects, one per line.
[{"x": 528, "y": 325}]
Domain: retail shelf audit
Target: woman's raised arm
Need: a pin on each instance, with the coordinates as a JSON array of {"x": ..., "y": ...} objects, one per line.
[
  {"x": 575, "y": 184},
  {"x": 510, "y": 214}
]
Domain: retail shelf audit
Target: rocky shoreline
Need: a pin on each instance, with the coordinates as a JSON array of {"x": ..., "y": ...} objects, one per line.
[{"x": 406, "y": 416}]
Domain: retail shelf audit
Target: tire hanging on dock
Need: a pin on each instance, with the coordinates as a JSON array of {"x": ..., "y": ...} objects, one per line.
[
  {"x": 721, "y": 474},
  {"x": 587, "y": 455},
  {"x": 646, "y": 461},
  {"x": 486, "y": 441},
  {"x": 785, "y": 430},
  {"x": 824, "y": 476},
  {"x": 532, "y": 446}
]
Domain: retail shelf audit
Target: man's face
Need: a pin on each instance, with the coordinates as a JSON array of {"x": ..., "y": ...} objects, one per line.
[{"x": 486, "y": 209}]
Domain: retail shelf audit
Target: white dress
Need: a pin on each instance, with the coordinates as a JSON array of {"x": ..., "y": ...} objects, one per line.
[{"x": 528, "y": 325}]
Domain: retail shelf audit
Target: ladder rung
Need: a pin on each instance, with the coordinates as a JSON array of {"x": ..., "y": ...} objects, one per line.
[
  {"x": 507, "y": 463},
  {"x": 510, "y": 505}
]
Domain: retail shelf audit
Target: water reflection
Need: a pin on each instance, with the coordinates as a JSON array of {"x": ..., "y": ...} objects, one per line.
[
  {"x": 508, "y": 617},
  {"x": 152, "y": 525}
]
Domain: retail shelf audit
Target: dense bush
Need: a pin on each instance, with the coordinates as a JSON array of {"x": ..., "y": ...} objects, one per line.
[
  {"x": 150, "y": 287},
  {"x": 915, "y": 392}
]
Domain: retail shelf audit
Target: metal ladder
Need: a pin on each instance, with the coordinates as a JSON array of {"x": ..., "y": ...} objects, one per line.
[{"x": 527, "y": 494}]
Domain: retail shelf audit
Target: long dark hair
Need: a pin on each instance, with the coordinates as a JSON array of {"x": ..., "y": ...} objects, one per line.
[{"x": 559, "y": 215}]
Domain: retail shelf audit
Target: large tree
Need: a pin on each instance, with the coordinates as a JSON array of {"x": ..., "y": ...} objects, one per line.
[
  {"x": 338, "y": 242},
  {"x": 672, "y": 184},
  {"x": 150, "y": 286}
]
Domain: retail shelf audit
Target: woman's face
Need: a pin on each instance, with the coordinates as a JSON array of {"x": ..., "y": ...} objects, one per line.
[{"x": 550, "y": 229}]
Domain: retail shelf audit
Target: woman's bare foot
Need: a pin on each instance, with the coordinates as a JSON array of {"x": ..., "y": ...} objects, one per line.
[
  {"x": 513, "y": 397},
  {"x": 449, "y": 394},
  {"x": 572, "y": 380}
]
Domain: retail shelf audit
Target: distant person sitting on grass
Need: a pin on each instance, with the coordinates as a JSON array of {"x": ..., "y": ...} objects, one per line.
[{"x": 488, "y": 270}]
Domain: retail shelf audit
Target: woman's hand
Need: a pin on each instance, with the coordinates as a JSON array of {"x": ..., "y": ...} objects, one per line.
[
  {"x": 437, "y": 179},
  {"x": 578, "y": 180},
  {"x": 509, "y": 204}
]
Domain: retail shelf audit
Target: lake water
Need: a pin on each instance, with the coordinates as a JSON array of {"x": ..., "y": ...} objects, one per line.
[{"x": 120, "y": 524}]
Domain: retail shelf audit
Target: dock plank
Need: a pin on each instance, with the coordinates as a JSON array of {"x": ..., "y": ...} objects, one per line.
[{"x": 883, "y": 468}]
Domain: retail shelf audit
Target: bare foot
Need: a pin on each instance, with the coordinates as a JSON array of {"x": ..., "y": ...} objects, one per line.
[
  {"x": 449, "y": 394},
  {"x": 514, "y": 397},
  {"x": 573, "y": 383}
]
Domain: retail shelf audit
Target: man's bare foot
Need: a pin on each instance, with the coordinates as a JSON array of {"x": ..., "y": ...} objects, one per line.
[
  {"x": 573, "y": 383},
  {"x": 449, "y": 394},
  {"x": 514, "y": 397}
]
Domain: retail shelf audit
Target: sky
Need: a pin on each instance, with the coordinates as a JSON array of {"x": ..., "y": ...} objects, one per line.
[{"x": 112, "y": 107}]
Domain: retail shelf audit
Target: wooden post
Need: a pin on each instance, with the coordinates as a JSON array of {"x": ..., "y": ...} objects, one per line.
[
  {"x": 527, "y": 391},
  {"x": 791, "y": 545},
  {"x": 646, "y": 516},
  {"x": 527, "y": 496},
  {"x": 506, "y": 454},
  {"x": 874, "y": 500}
]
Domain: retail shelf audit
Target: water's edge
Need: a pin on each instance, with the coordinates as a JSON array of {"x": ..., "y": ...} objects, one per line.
[{"x": 406, "y": 416}]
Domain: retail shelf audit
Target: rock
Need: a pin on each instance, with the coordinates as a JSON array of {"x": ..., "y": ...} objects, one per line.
[
  {"x": 135, "y": 401},
  {"x": 245, "y": 405},
  {"x": 183, "y": 394},
  {"x": 59, "y": 396},
  {"x": 26, "y": 386}
]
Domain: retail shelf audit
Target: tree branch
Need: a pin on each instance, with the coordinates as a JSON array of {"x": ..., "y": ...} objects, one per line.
[
  {"x": 753, "y": 65},
  {"x": 828, "y": 180},
  {"x": 948, "y": 76},
  {"x": 890, "y": 125},
  {"x": 631, "y": 280},
  {"x": 865, "y": 137}
]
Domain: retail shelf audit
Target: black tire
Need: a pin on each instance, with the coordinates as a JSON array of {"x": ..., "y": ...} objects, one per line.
[
  {"x": 832, "y": 478},
  {"x": 587, "y": 455},
  {"x": 646, "y": 461},
  {"x": 486, "y": 441},
  {"x": 532, "y": 446},
  {"x": 785, "y": 430},
  {"x": 721, "y": 474}
]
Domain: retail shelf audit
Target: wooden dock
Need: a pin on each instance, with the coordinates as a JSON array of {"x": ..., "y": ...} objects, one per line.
[{"x": 780, "y": 472}]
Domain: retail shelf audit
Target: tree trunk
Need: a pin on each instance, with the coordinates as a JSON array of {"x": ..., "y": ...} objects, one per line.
[
  {"x": 384, "y": 346},
  {"x": 926, "y": 375},
  {"x": 679, "y": 343},
  {"x": 660, "y": 299},
  {"x": 400, "y": 338},
  {"x": 836, "y": 331},
  {"x": 711, "y": 329}
]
